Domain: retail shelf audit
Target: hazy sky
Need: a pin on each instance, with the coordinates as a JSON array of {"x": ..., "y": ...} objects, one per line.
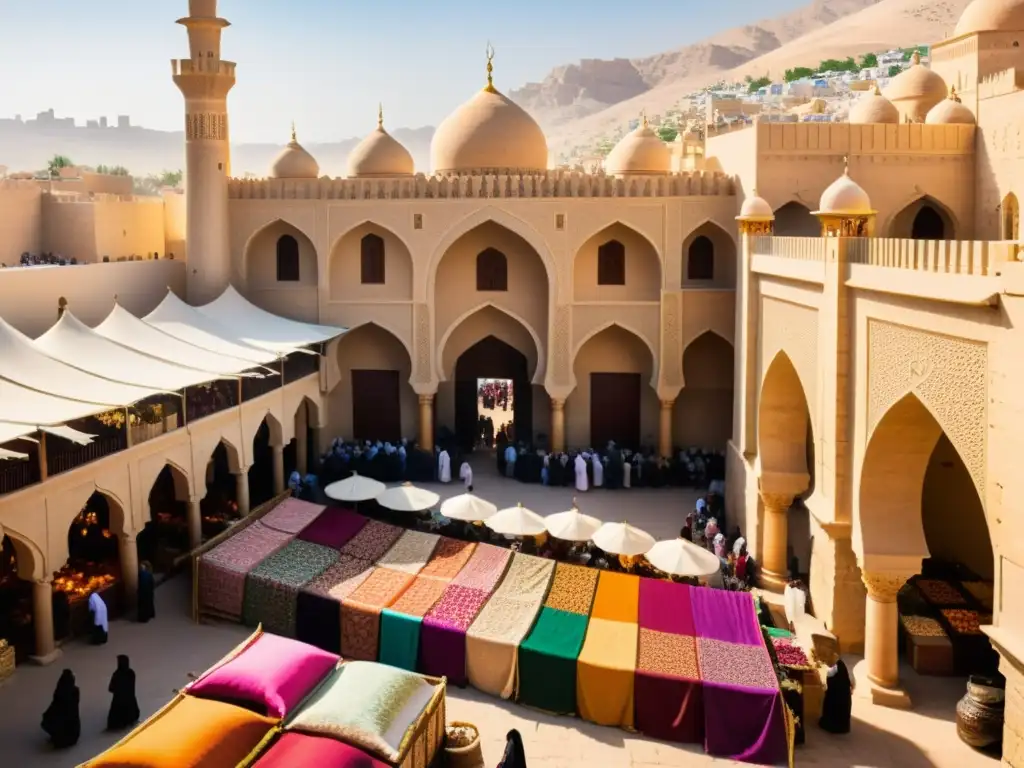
[{"x": 326, "y": 63}]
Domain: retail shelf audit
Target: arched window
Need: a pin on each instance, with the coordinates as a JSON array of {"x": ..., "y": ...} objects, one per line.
[
  {"x": 928, "y": 225},
  {"x": 287, "y": 259},
  {"x": 491, "y": 270},
  {"x": 371, "y": 252},
  {"x": 611, "y": 263},
  {"x": 700, "y": 261},
  {"x": 1011, "y": 217}
]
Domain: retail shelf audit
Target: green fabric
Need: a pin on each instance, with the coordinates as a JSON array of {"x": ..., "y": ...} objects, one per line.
[
  {"x": 776, "y": 632},
  {"x": 547, "y": 661},
  {"x": 399, "y": 639}
]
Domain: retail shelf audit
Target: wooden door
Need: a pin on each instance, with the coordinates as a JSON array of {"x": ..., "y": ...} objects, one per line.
[
  {"x": 376, "y": 406},
  {"x": 615, "y": 409}
]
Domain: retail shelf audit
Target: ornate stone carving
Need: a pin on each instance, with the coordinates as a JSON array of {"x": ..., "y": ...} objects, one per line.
[
  {"x": 949, "y": 375},
  {"x": 560, "y": 348},
  {"x": 777, "y": 502},
  {"x": 671, "y": 355},
  {"x": 426, "y": 399},
  {"x": 793, "y": 329},
  {"x": 210, "y": 126},
  {"x": 557, "y": 404},
  {"x": 884, "y": 586},
  {"x": 422, "y": 333}
]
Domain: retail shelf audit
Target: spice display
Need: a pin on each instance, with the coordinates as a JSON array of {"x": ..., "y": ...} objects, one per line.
[
  {"x": 940, "y": 592},
  {"x": 789, "y": 654},
  {"x": 79, "y": 584},
  {"x": 963, "y": 621},
  {"x": 922, "y": 626}
]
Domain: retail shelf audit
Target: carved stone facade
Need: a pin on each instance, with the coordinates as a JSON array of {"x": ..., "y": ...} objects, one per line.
[
  {"x": 884, "y": 587},
  {"x": 561, "y": 353},
  {"x": 422, "y": 333},
  {"x": 671, "y": 354},
  {"x": 793, "y": 329},
  {"x": 206, "y": 126}
]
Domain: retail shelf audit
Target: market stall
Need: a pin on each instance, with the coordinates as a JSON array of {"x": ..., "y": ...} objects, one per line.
[
  {"x": 272, "y": 587},
  {"x": 318, "y": 607},
  {"x": 222, "y": 570},
  {"x": 361, "y": 610}
]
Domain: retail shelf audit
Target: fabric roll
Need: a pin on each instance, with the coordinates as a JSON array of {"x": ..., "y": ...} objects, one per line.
[
  {"x": 605, "y": 672},
  {"x": 547, "y": 661}
]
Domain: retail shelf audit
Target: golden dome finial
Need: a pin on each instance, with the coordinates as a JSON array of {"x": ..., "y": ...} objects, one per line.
[
  {"x": 380, "y": 115},
  {"x": 490, "y": 69},
  {"x": 953, "y": 94},
  {"x": 643, "y": 117},
  {"x": 916, "y": 58},
  {"x": 294, "y": 138},
  {"x": 846, "y": 165},
  {"x": 878, "y": 91}
]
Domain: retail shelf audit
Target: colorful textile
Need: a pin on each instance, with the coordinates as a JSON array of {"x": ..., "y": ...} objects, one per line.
[
  {"x": 410, "y": 553},
  {"x": 273, "y": 673},
  {"x": 492, "y": 642},
  {"x": 605, "y": 671},
  {"x": 484, "y": 569},
  {"x": 373, "y": 540},
  {"x": 617, "y": 598},
  {"x": 527, "y": 579},
  {"x": 727, "y": 616},
  {"x": 401, "y": 623},
  {"x": 291, "y": 515},
  {"x": 272, "y": 587},
  {"x": 190, "y": 733},
  {"x": 665, "y": 607},
  {"x": 222, "y": 570},
  {"x": 292, "y": 750},
  {"x": 450, "y": 556},
  {"x": 318, "y": 608},
  {"x": 370, "y": 706},
  {"x": 669, "y": 692},
  {"x": 736, "y": 664},
  {"x": 360, "y": 612},
  {"x": 572, "y": 591},
  {"x": 334, "y": 528},
  {"x": 443, "y": 635},
  {"x": 547, "y": 660}
]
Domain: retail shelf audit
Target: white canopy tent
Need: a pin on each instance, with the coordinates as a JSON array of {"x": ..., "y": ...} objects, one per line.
[
  {"x": 260, "y": 328},
  {"x": 10, "y": 431},
  {"x": 77, "y": 345},
  {"x": 29, "y": 408}
]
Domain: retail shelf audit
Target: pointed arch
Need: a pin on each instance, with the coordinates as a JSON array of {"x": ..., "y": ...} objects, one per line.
[
  {"x": 923, "y": 217},
  {"x": 629, "y": 330},
  {"x": 702, "y": 413},
  {"x": 253, "y": 420},
  {"x": 794, "y": 219},
  {"x": 31, "y": 560},
  {"x": 180, "y": 476},
  {"x": 709, "y": 257},
  {"x": 617, "y": 262},
  {"x": 384, "y": 271},
  {"x": 1010, "y": 217},
  {"x": 783, "y": 422},
  {"x": 487, "y": 322},
  {"x": 261, "y": 256}
]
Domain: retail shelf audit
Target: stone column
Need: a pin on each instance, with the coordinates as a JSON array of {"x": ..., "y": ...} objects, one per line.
[
  {"x": 242, "y": 491},
  {"x": 426, "y": 436},
  {"x": 195, "y": 523},
  {"x": 278, "y": 451},
  {"x": 775, "y": 538},
  {"x": 128, "y": 551},
  {"x": 881, "y": 638},
  {"x": 42, "y": 618},
  {"x": 557, "y": 425},
  {"x": 665, "y": 429}
]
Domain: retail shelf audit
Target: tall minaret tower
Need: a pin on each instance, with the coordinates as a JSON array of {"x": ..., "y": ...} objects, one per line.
[{"x": 204, "y": 81}]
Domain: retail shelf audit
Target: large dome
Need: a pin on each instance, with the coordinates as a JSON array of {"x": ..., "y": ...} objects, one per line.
[
  {"x": 844, "y": 197},
  {"x": 489, "y": 134},
  {"x": 294, "y": 162},
  {"x": 916, "y": 90},
  {"x": 873, "y": 108},
  {"x": 639, "y": 152},
  {"x": 950, "y": 111},
  {"x": 380, "y": 155},
  {"x": 991, "y": 16}
]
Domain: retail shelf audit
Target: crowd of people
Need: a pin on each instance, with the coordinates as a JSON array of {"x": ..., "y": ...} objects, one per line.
[
  {"x": 49, "y": 259},
  {"x": 496, "y": 394}
]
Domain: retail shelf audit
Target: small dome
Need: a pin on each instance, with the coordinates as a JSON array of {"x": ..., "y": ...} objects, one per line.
[
  {"x": 950, "y": 112},
  {"x": 844, "y": 196},
  {"x": 294, "y": 162},
  {"x": 873, "y": 108},
  {"x": 991, "y": 16},
  {"x": 756, "y": 207},
  {"x": 489, "y": 134},
  {"x": 916, "y": 90},
  {"x": 640, "y": 152},
  {"x": 380, "y": 155}
]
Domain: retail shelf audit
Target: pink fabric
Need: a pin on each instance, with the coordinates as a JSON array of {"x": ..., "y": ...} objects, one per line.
[
  {"x": 274, "y": 673},
  {"x": 295, "y": 750},
  {"x": 484, "y": 569},
  {"x": 665, "y": 607},
  {"x": 291, "y": 515}
]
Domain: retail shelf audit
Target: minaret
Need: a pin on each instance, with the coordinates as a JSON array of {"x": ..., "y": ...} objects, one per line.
[{"x": 205, "y": 80}]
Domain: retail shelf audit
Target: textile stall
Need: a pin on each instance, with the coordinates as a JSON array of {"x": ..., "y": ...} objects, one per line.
[
  {"x": 272, "y": 587},
  {"x": 318, "y": 609},
  {"x": 222, "y": 570},
  {"x": 292, "y": 515},
  {"x": 360, "y": 612},
  {"x": 373, "y": 541},
  {"x": 400, "y": 624},
  {"x": 410, "y": 553}
]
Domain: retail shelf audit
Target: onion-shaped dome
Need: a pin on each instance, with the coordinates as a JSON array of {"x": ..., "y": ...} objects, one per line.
[
  {"x": 639, "y": 152},
  {"x": 873, "y": 108},
  {"x": 380, "y": 155},
  {"x": 991, "y": 16},
  {"x": 916, "y": 90},
  {"x": 294, "y": 162},
  {"x": 950, "y": 111},
  {"x": 756, "y": 207},
  {"x": 489, "y": 134},
  {"x": 844, "y": 197}
]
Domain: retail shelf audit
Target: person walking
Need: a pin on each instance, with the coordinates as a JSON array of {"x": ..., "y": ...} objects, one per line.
[{"x": 124, "y": 707}]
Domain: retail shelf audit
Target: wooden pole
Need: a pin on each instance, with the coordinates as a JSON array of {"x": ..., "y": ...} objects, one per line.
[
  {"x": 43, "y": 466},
  {"x": 127, "y": 428}
]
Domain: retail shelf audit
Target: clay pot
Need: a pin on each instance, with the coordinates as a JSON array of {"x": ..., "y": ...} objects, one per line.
[
  {"x": 465, "y": 755},
  {"x": 979, "y": 714}
]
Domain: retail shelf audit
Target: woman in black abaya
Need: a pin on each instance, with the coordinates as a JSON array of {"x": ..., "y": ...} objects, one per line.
[
  {"x": 61, "y": 721},
  {"x": 146, "y": 596},
  {"x": 835, "y": 710},
  {"x": 124, "y": 707}
]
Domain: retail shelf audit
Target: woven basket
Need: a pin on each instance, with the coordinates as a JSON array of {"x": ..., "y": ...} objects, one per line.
[
  {"x": 469, "y": 756},
  {"x": 6, "y": 661}
]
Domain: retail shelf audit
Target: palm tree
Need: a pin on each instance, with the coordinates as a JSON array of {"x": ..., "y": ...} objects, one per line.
[{"x": 56, "y": 163}]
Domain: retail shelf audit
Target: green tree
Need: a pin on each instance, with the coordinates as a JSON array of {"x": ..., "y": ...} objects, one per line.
[
  {"x": 171, "y": 178},
  {"x": 56, "y": 163},
  {"x": 798, "y": 73},
  {"x": 668, "y": 133},
  {"x": 894, "y": 70},
  {"x": 838, "y": 65},
  {"x": 868, "y": 61},
  {"x": 755, "y": 85}
]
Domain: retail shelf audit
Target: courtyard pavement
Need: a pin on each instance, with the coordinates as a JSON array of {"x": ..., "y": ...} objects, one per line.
[{"x": 163, "y": 652}]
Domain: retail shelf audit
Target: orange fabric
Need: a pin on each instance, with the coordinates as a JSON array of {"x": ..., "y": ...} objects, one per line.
[
  {"x": 605, "y": 673},
  {"x": 618, "y": 597},
  {"x": 193, "y": 733}
]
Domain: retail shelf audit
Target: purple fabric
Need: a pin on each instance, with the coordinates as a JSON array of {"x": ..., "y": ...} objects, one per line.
[
  {"x": 333, "y": 528},
  {"x": 443, "y": 651},
  {"x": 669, "y": 708},
  {"x": 744, "y": 724},
  {"x": 727, "y": 616},
  {"x": 666, "y": 607}
]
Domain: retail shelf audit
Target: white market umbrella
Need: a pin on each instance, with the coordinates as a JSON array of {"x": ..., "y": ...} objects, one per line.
[
  {"x": 467, "y": 507},
  {"x": 623, "y": 539},
  {"x": 572, "y": 525},
  {"x": 516, "y": 521},
  {"x": 355, "y": 489},
  {"x": 679, "y": 557},
  {"x": 407, "y": 498}
]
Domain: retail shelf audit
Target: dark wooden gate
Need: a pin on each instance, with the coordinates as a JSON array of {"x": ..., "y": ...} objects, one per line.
[
  {"x": 376, "y": 407},
  {"x": 615, "y": 409}
]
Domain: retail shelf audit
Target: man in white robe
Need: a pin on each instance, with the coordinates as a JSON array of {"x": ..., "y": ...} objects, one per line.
[
  {"x": 444, "y": 467},
  {"x": 466, "y": 475},
  {"x": 580, "y": 465},
  {"x": 598, "y": 470}
]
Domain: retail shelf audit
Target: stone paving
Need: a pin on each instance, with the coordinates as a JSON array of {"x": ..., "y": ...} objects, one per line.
[{"x": 165, "y": 650}]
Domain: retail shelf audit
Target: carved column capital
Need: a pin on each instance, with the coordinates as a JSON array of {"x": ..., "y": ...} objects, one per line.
[
  {"x": 557, "y": 404},
  {"x": 776, "y": 502},
  {"x": 883, "y": 586},
  {"x": 666, "y": 405},
  {"x": 426, "y": 399}
]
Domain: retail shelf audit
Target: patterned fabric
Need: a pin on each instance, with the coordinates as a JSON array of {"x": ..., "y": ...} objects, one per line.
[
  {"x": 940, "y": 592},
  {"x": 334, "y": 528},
  {"x": 982, "y": 591},
  {"x": 420, "y": 597},
  {"x": 458, "y": 607},
  {"x": 668, "y": 654},
  {"x": 573, "y": 589},
  {"x": 484, "y": 569},
  {"x": 505, "y": 619},
  {"x": 222, "y": 570},
  {"x": 492, "y": 643},
  {"x": 410, "y": 553},
  {"x": 272, "y": 588},
  {"x": 450, "y": 556},
  {"x": 360, "y": 612},
  {"x": 373, "y": 541},
  {"x": 341, "y": 579},
  {"x": 736, "y": 664},
  {"x": 527, "y": 578},
  {"x": 382, "y": 588},
  {"x": 291, "y": 515},
  {"x": 297, "y": 563}
]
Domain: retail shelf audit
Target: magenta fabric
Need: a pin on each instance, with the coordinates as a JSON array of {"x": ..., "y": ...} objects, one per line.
[
  {"x": 295, "y": 750},
  {"x": 333, "y": 528},
  {"x": 666, "y": 607},
  {"x": 744, "y": 724},
  {"x": 669, "y": 708},
  {"x": 273, "y": 673},
  {"x": 443, "y": 634},
  {"x": 727, "y": 616}
]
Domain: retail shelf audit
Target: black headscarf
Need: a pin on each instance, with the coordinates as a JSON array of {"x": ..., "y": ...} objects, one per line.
[{"x": 61, "y": 721}]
